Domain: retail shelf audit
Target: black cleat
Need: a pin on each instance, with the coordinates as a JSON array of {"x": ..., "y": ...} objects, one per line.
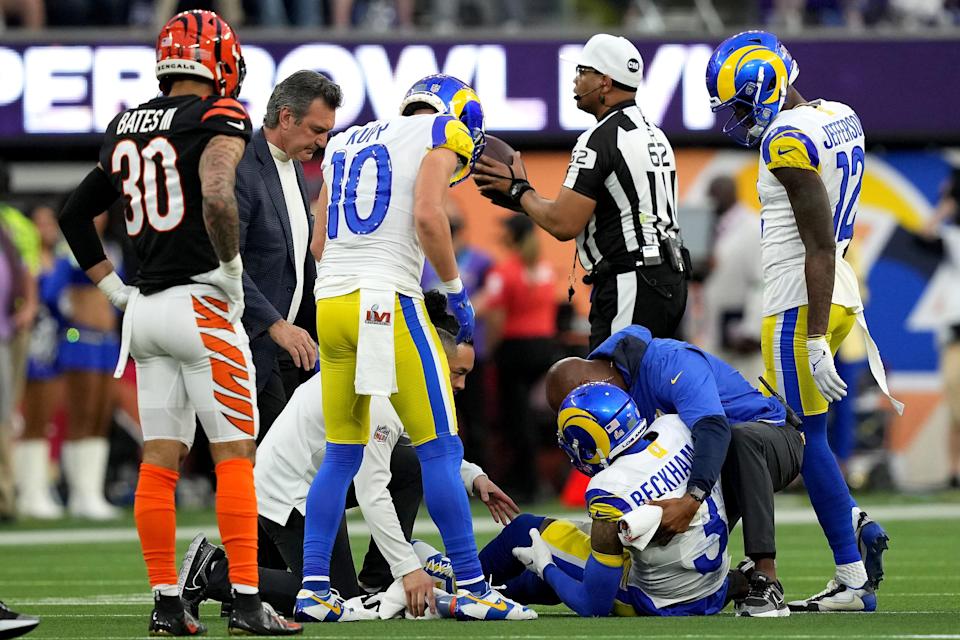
[
  {"x": 739, "y": 581},
  {"x": 872, "y": 541},
  {"x": 252, "y": 617},
  {"x": 194, "y": 580},
  {"x": 765, "y": 599},
  {"x": 13, "y": 624},
  {"x": 170, "y": 619}
]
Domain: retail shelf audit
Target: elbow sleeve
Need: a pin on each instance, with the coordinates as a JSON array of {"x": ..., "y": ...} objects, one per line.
[
  {"x": 711, "y": 439},
  {"x": 94, "y": 196}
]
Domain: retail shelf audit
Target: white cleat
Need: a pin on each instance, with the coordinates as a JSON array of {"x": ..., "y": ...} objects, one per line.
[
  {"x": 490, "y": 606},
  {"x": 330, "y": 607},
  {"x": 838, "y": 598}
]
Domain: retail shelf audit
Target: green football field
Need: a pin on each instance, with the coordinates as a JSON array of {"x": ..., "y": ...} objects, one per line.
[{"x": 89, "y": 582}]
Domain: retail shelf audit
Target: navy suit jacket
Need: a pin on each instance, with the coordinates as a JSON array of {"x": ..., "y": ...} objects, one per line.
[{"x": 266, "y": 245}]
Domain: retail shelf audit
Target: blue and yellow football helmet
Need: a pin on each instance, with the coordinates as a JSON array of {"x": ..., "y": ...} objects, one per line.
[
  {"x": 598, "y": 422},
  {"x": 453, "y": 97},
  {"x": 749, "y": 73}
]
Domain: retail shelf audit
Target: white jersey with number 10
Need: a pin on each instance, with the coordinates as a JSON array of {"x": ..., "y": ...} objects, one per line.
[{"x": 370, "y": 172}]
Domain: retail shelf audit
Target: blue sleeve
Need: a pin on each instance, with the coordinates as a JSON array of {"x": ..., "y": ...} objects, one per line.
[
  {"x": 592, "y": 597},
  {"x": 688, "y": 385},
  {"x": 711, "y": 439}
]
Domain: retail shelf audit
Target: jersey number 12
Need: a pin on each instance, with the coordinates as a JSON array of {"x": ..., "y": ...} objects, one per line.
[
  {"x": 346, "y": 195},
  {"x": 844, "y": 216}
]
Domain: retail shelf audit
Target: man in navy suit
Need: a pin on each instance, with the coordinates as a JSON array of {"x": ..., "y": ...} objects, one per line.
[{"x": 275, "y": 230}]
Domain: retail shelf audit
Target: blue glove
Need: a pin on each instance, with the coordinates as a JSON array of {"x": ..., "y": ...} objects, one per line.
[{"x": 463, "y": 311}]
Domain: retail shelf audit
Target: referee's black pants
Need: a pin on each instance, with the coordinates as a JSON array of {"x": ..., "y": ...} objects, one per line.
[
  {"x": 762, "y": 459},
  {"x": 654, "y": 297}
]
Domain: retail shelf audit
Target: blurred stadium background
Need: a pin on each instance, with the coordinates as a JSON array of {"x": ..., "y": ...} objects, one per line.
[{"x": 68, "y": 66}]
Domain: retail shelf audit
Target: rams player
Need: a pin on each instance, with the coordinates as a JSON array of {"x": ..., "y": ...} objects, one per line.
[
  {"x": 617, "y": 569},
  {"x": 811, "y": 169},
  {"x": 385, "y": 185}
]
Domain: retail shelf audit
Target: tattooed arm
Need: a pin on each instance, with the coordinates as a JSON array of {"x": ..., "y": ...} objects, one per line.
[{"x": 218, "y": 171}]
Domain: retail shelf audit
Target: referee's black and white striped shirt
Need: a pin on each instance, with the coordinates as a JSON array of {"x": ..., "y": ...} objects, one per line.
[{"x": 626, "y": 165}]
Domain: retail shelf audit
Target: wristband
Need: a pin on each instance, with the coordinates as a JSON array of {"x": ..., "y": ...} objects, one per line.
[
  {"x": 517, "y": 188},
  {"x": 452, "y": 287},
  {"x": 110, "y": 284},
  {"x": 232, "y": 267}
]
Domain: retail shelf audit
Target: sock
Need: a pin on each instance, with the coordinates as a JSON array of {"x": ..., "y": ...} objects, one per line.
[
  {"x": 828, "y": 491},
  {"x": 155, "y": 513},
  {"x": 496, "y": 559},
  {"x": 853, "y": 574},
  {"x": 325, "y": 502},
  {"x": 855, "y": 514},
  {"x": 450, "y": 510},
  {"x": 237, "y": 518},
  {"x": 167, "y": 590}
]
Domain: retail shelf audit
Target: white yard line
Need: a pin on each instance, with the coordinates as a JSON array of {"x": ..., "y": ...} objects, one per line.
[
  {"x": 600, "y": 634},
  {"x": 481, "y": 524}
]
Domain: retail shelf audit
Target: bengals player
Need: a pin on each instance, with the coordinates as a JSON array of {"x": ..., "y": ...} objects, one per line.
[{"x": 173, "y": 160}]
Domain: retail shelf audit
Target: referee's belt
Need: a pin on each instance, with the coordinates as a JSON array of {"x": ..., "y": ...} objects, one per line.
[{"x": 649, "y": 257}]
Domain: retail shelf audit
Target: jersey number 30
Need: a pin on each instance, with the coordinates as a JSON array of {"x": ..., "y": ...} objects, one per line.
[
  {"x": 346, "y": 195},
  {"x": 140, "y": 186}
]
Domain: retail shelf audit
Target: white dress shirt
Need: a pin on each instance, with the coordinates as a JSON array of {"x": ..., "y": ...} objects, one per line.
[{"x": 297, "y": 215}]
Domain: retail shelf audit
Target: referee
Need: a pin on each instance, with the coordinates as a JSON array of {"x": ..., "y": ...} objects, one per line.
[{"x": 619, "y": 199}]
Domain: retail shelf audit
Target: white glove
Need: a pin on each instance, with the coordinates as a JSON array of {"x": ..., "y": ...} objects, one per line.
[
  {"x": 825, "y": 375},
  {"x": 537, "y": 556},
  {"x": 116, "y": 291},
  {"x": 228, "y": 277}
]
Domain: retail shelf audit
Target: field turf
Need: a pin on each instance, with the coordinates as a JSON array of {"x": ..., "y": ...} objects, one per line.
[{"x": 96, "y": 589}]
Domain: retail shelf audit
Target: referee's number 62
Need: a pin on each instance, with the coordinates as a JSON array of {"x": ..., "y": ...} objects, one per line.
[{"x": 658, "y": 154}]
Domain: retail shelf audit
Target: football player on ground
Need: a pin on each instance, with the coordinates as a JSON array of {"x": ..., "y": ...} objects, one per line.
[
  {"x": 173, "y": 159},
  {"x": 385, "y": 184},
  {"x": 287, "y": 462},
  {"x": 747, "y": 439},
  {"x": 811, "y": 169},
  {"x": 601, "y": 430}
]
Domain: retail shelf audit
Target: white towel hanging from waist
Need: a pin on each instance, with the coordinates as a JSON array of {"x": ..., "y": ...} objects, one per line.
[
  {"x": 376, "y": 358},
  {"x": 126, "y": 329},
  {"x": 876, "y": 364}
]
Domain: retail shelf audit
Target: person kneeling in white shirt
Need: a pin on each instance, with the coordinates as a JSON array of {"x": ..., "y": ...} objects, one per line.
[{"x": 287, "y": 461}]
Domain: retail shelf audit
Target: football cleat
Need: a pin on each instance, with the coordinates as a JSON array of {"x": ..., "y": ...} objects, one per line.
[
  {"x": 872, "y": 541},
  {"x": 261, "y": 620},
  {"x": 739, "y": 581},
  {"x": 838, "y": 597},
  {"x": 170, "y": 619},
  {"x": 765, "y": 599},
  {"x": 490, "y": 606},
  {"x": 13, "y": 624},
  {"x": 329, "y": 607},
  {"x": 194, "y": 578}
]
